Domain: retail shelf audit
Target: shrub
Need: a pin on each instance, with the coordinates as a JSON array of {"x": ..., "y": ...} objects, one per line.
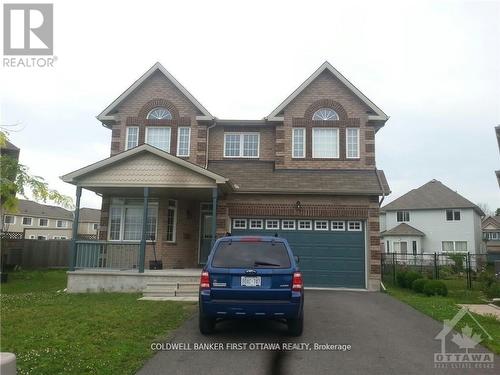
[
  {"x": 493, "y": 290},
  {"x": 418, "y": 285},
  {"x": 401, "y": 278},
  {"x": 410, "y": 277},
  {"x": 435, "y": 287},
  {"x": 458, "y": 259},
  {"x": 486, "y": 278}
]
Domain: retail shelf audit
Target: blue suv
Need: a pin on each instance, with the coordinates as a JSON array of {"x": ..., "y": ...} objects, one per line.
[{"x": 251, "y": 277}]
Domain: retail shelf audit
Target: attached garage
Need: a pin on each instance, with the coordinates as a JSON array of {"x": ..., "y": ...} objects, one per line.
[{"x": 331, "y": 252}]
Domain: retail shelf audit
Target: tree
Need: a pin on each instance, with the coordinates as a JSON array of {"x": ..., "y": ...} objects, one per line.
[
  {"x": 15, "y": 178},
  {"x": 497, "y": 212},
  {"x": 486, "y": 209}
]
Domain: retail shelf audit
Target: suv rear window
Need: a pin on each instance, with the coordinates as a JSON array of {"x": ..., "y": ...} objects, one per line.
[{"x": 237, "y": 254}]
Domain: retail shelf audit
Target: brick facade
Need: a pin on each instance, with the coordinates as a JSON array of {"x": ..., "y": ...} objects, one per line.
[{"x": 275, "y": 146}]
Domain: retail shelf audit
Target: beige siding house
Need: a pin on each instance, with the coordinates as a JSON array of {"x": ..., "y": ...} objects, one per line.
[{"x": 46, "y": 222}]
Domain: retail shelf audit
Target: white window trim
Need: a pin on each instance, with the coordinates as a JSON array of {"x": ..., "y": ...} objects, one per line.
[
  {"x": 293, "y": 143},
  {"x": 304, "y": 221},
  {"x": 27, "y": 225},
  {"x": 261, "y": 226},
  {"x": 347, "y": 144},
  {"x": 338, "y": 144},
  {"x": 355, "y": 230},
  {"x": 453, "y": 210},
  {"x": 179, "y": 141},
  {"x": 242, "y": 134},
  {"x": 64, "y": 223},
  {"x": 12, "y": 216},
  {"x": 122, "y": 221},
  {"x": 288, "y": 220},
  {"x": 240, "y": 227},
  {"x": 337, "y": 229},
  {"x": 174, "y": 227},
  {"x": 96, "y": 225},
  {"x": 321, "y": 229},
  {"x": 403, "y": 212},
  {"x": 272, "y": 220},
  {"x": 43, "y": 218},
  {"x": 159, "y": 127},
  {"x": 126, "y": 137}
]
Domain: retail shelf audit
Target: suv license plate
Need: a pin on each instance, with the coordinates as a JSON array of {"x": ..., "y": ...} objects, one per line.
[{"x": 250, "y": 281}]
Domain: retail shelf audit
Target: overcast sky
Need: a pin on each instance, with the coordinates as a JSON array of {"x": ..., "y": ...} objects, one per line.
[{"x": 433, "y": 67}]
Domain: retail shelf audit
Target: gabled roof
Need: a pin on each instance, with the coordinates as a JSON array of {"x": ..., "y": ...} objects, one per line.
[
  {"x": 491, "y": 220},
  {"x": 32, "y": 208},
  {"x": 379, "y": 114},
  {"x": 403, "y": 229},
  {"x": 106, "y": 114},
  {"x": 432, "y": 195},
  {"x": 144, "y": 148}
]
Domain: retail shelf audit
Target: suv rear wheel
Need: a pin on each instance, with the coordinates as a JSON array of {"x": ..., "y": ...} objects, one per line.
[
  {"x": 296, "y": 326},
  {"x": 206, "y": 324}
]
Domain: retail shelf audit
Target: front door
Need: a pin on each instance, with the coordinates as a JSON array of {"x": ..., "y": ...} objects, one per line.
[{"x": 205, "y": 236}]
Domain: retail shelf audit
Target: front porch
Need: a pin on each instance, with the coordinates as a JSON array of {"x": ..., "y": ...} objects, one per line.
[{"x": 158, "y": 212}]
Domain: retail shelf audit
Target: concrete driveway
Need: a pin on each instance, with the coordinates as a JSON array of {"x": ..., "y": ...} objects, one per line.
[{"x": 387, "y": 337}]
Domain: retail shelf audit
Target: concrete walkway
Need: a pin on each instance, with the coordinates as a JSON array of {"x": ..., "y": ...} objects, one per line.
[{"x": 483, "y": 310}]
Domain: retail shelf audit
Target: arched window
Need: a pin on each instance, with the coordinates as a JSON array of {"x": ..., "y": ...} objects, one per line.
[
  {"x": 325, "y": 114},
  {"x": 159, "y": 113}
]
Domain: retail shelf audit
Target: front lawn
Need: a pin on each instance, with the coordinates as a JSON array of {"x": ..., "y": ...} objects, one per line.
[
  {"x": 53, "y": 332},
  {"x": 441, "y": 308}
]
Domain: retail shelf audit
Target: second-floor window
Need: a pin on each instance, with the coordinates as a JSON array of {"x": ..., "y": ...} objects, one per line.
[
  {"x": 299, "y": 142},
  {"x": 158, "y": 137},
  {"x": 402, "y": 216},
  {"x": 241, "y": 145},
  {"x": 325, "y": 143},
  {"x": 352, "y": 143},
  {"x": 9, "y": 219},
  {"x": 43, "y": 222},
  {"x": 27, "y": 220},
  {"x": 183, "y": 141},
  {"x": 132, "y": 137},
  {"x": 452, "y": 215},
  {"x": 61, "y": 223}
]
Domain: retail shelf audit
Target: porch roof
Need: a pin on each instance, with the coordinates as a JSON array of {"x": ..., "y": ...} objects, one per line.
[{"x": 142, "y": 166}]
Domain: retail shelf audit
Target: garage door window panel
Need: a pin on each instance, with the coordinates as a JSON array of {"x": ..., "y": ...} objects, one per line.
[
  {"x": 321, "y": 225},
  {"x": 272, "y": 224},
  {"x": 256, "y": 224},
  {"x": 305, "y": 225},
  {"x": 239, "y": 224},
  {"x": 288, "y": 224},
  {"x": 338, "y": 226},
  {"x": 354, "y": 226}
]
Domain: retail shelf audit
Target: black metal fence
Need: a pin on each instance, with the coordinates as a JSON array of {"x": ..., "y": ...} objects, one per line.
[{"x": 462, "y": 267}]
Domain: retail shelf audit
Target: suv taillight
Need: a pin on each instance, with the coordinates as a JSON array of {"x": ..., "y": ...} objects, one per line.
[
  {"x": 297, "y": 283},
  {"x": 205, "y": 280}
]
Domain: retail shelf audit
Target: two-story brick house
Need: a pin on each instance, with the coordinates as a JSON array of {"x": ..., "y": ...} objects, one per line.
[{"x": 306, "y": 172}]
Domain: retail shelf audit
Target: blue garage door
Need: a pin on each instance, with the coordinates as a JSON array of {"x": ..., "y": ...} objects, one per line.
[{"x": 332, "y": 253}]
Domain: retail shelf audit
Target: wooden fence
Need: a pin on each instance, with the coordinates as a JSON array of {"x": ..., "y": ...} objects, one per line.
[{"x": 35, "y": 253}]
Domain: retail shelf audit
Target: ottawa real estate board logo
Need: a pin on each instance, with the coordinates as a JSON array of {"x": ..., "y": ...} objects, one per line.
[{"x": 28, "y": 35}]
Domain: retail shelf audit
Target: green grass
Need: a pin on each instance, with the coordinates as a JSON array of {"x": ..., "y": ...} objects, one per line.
[
  {"x": 53, "y": 332},
  {"x": 441, "y": 308}
]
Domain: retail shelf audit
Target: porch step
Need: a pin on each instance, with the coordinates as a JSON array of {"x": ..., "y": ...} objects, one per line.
[{"x": 171, "y": 289}]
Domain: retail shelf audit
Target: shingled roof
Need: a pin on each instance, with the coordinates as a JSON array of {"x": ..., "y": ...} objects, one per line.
[
  {"x": 254, "y": 176},
  {"x": 403, "y": 229},
  {"x": 35, "y": 209},
  {"x": 432, "y": 195}
]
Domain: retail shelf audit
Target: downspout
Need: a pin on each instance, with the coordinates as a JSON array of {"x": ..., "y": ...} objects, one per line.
[
  {"x": 381, "y": 187},
  {"x": 208, "y": 134}
]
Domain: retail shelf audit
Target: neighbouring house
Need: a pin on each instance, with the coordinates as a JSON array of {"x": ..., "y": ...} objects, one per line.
[
  {"x": 306, "y": 172},
  {"x": 431, "y": 218},
  {"x": 497, "y": 131},
  {"x": 33, "y": 220},
  {"x": 491, "y": 237}
]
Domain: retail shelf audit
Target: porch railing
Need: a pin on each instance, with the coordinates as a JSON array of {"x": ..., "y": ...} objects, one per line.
[{"x": 107, "y": 255}]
